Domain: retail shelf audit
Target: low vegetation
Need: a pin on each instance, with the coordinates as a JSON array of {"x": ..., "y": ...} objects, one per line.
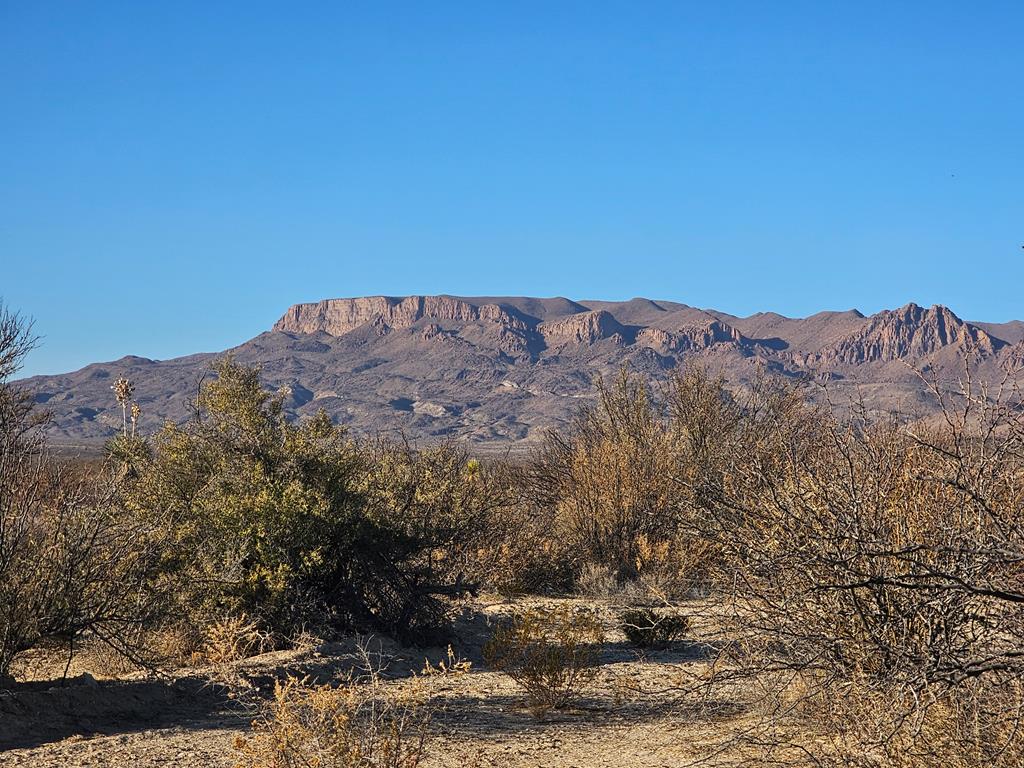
[
  {"x": 551, "y": 654},
  {"x": 354, "y": 724},
  {"x": 650, "y": 628}
]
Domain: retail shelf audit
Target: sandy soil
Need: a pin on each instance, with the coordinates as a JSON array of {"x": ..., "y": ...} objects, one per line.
[{"x": 483, "y": 721}]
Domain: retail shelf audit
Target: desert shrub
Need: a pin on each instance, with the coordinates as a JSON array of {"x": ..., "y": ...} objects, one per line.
[
  {"x": 429, "y": 510},
  {"x": 871, "y": 724},
  {"x": 628, "y": 479},
  {"x": 436, "y": 497},
  {"x": 597, "y": 580},
  {"x": 258, "y": 512},
  {"x": 232, "y": 638},
  {"x": 358, "y": 721},
  {"x": 877, "y": 588},
  {"x": 650, "y": 628},
  {"x": 868, "y": 571},
  {"x": 551, "y": 654},
  {"x": 351, "y": 725},
  {"x": 609, "y": 477},
  {"x": 71, "y": 571},
  {"x": 70, "y": 566},
  {"x": 518, "y": 551},
  {"x": 295, "y": 524}
]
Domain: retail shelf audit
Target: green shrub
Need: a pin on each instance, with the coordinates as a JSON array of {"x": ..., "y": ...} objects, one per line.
[
  {"x": 551, "y": 654},
  {"x": 257, "y": 512},
  {"x": 428, "y": 510},
  {"x": 648, "y": 628},
  {"x": 293, "y": 524}
]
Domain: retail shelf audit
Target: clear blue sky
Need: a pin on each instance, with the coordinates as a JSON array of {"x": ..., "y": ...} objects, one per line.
[{"x": 174, "y": 175}]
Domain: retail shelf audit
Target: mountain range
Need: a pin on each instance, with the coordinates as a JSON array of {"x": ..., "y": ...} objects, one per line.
[{"x": 499, "y": 371}]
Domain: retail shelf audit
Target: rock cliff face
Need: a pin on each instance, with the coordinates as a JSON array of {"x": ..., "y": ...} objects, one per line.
[
  {"x": 909, "y": 332},
  {"x": 584, "y": 328},
  {"x": 340, "y": 316},
  {"x": 1013, "y": 360},
  {"x": 500, "y": 371},
  {"x": 692, "y": 338}
]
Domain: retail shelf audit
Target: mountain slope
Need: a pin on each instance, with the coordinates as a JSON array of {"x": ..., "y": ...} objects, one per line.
[{"x": 499, "y": 371}]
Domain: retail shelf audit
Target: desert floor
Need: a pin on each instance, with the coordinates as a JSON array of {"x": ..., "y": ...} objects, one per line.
[{"x": 632, "y": 715}]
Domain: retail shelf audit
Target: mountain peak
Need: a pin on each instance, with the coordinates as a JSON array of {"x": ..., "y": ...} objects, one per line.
[{"x": 910, "y": 332}]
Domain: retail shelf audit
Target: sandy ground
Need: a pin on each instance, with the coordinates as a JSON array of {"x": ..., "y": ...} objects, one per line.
[{"x": 483, "y": 720}]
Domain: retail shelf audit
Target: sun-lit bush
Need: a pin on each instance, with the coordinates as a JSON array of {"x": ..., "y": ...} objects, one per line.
[
  {"x": 295, "y": 524},
  {"x": 551, "y": 654},
  {"x": 351, "y": 725}
]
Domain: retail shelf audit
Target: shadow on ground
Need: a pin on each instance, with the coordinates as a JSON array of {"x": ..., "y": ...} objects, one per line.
[
  {"x": 38, "y": 713},
  {"x": 34, "y": 715},
  {"x": 496, "y": 715}
]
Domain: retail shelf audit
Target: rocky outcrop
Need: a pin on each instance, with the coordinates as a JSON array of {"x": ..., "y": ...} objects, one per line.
[
  {"x": 907, "y": 333},
  {"x": 1013, "y": 360},
  {"x": 340, "y": 316},
  {"x": 690, "y": 338},
  {"x": 432, "y": 331},
  {"x": 583, "y": 328}
]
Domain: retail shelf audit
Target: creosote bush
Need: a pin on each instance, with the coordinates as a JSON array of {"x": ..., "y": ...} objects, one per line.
[
  {"x": 429, "y": 510},
  {"x": 293, "y": 524},
  {"x": 552, "y": 654}
]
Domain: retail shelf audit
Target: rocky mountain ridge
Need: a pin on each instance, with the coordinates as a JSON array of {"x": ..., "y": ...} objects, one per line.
[
  {"x": 910, "y": 332},
  {"x": 498, "y": 371}
]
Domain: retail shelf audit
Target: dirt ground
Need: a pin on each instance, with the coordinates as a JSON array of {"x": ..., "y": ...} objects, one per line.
[{"x": 630, "y": 716}]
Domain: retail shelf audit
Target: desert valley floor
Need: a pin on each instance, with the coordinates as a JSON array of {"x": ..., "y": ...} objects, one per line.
[{"x": 631, "y": 718}]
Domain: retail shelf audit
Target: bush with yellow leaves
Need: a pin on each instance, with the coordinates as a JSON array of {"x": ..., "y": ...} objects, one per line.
[
  {"x": 551, "y": 654},
  {"x": 353, "y": 725}
]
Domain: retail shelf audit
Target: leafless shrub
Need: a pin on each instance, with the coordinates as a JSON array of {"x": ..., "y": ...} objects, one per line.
[
  {"x": 868, "y": 576},
  {"x": 352, "y": 725},
  {"x": 597, "y": 580},
  {"x": 877, "y": 587},
  {"x": 610, "y": 480},
  {"x": 232, "y": 638},
  {"x": 77, "y": 571},
  {"x": 70, "y": 566}
]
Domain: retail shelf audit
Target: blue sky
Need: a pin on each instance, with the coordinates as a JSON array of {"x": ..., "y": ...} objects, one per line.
[{"x": 174, "y": 175}]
